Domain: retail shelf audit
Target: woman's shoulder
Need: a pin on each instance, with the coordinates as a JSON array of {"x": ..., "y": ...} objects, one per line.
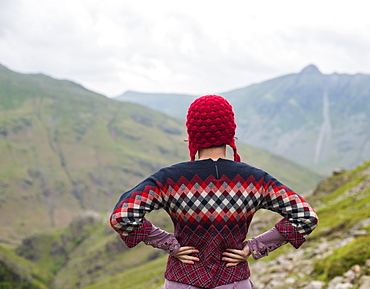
[
  {"x": 240, "y": 165},
  {"x": 175, "y": 169},
  {"x": 243, "y": 169}
]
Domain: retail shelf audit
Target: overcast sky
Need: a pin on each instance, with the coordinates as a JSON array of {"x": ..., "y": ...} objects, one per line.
[{"x": 194, "y": 47}]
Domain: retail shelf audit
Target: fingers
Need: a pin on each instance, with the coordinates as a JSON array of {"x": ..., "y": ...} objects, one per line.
[
  {"x": 183, "y": 254},
  {"x": 186, "y": 259},
  {"x": 232, "y": 264},
  {"x": 245, "y": 252},
  {"x": 236, "y": 254},
  {"x": 186, "y": 250},
  {"x": 233, "y": 260},
  {"x": 234, "y": 257}
]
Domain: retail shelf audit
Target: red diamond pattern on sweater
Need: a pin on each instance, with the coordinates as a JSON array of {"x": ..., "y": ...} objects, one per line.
[{"x": 211, "y": 200}]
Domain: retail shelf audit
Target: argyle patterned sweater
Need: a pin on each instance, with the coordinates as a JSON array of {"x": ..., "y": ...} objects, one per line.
[{"x": 211, "y": 204}]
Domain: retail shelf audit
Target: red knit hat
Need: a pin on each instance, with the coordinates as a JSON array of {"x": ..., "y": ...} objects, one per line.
[{"x": 210, "y": 122}]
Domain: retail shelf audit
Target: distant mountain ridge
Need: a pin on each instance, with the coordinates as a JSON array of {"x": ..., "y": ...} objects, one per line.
[{"x": 320, "y": 121}]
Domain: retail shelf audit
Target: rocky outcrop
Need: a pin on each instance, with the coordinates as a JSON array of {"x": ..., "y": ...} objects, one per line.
[{"x": 292, "y": 269}]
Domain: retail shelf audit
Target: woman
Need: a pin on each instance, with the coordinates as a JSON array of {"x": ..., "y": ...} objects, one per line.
[{"x": 211, "y": 202}]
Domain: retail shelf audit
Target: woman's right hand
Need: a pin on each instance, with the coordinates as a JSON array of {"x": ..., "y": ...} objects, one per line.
[{"x": 184, "y": 255}]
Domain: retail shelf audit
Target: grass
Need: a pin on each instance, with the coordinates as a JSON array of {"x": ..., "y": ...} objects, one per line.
[
  {"x": 340, "y": 209},
  {"x": 146, "y": 276},
  {"x": 16, "y": 272},
  {"x": 342, "y": 259}
]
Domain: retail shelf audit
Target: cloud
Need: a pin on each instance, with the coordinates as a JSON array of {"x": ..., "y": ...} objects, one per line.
[{"x": 188, "y": 47}]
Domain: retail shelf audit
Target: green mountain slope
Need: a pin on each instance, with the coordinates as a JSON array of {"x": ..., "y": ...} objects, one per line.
[
  {"x": 320, "y": 121},
  {"x": 67, "y": 150},
  {"x": 17, "y": 272}
]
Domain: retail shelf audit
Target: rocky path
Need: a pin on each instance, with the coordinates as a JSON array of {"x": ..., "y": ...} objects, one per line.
[{"x": 294, "y": 269}]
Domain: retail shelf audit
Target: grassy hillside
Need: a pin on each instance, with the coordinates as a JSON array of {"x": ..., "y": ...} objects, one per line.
[
  {"x": 88, "y": 252},
  {"x": 17, "y": 272},
  {"x": 66, "y": 150},
  {"x": 338, "y": 251}
]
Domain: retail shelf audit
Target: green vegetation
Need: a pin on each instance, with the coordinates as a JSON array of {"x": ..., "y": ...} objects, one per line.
[
  {"x": 343, "y": 201},
  {"x": 337, "y": 263},
  {"x": 18, "y": 273},
  {"x": 146, "y": 276},
  {"x": 88, "y": 252},
  {"x": 66, "y": 150}
]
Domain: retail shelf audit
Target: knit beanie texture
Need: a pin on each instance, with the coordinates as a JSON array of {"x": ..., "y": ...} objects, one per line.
[{"x": 210, "y": 122}]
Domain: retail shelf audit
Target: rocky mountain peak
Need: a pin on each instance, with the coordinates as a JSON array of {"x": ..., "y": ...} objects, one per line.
[{"x": 310, "y": 69}]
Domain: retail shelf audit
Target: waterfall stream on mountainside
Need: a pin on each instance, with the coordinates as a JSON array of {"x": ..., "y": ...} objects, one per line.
[{"x": 325, "y": 130}]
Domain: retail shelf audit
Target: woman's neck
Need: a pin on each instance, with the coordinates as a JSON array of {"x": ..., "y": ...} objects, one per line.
[{"x": 213, "y": 153}]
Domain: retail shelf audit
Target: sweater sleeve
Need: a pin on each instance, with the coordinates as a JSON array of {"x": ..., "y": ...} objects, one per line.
[
  {"x": 269, "y": 241},
  {"x": 160, "y": 239},
  {"x": 128, "y": 218},
  {"x": 299, "y": 217}
]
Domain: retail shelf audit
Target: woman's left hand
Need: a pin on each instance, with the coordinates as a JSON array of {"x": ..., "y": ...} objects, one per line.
[
  {"x": 184, "y": 255},
  {"x": 234, "y": 256}
]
